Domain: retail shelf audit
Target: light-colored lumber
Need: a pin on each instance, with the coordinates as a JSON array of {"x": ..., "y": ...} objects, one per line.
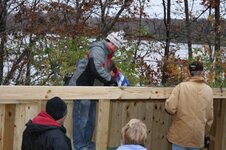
[
  {"x": 18, "y": 104},
  {"x": 220, "y": 135},
  {"x": 2, "y": 123},
  {"x": 23, "y": 113},
  {"x": 68, "y": 120},
  {"x": 115, "y": 123},
  {"x": 103, "y": 124},
  {"x": 9, "y": 127},
  {"x": 12, "y": 93}
]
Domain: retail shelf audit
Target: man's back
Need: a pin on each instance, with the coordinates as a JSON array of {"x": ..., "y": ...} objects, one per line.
[
  {"x": 191, "y": 102},
  {"x": 94, "y": 67},
  {"x": 43, "y": 137}
]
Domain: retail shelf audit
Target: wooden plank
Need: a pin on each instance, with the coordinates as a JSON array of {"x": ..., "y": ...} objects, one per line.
[
  {"x": 2, "y": 122},
  {"x": 156, "y": 142},
  {"x": 220, "y": 135},
  {"x": 224, "y": 129},
  {"x": 12, "y": 93},
  {"x": 68, "y": 120},
  {"x": 65, "y": 92},
  {"x": 115, "y": 123},
  {"x": 165, "y": 123},
  {"x": 149, "y": 123},
  {"x": 9, "y": 127},
  {"x": 19, "y": 125},
  {"x": 24, "y": 112},
  {"x": 159, "y": 128},
  {"x": 103, "y": 124},
  {"x": 32, "y": 109},
  {"x": 126, "y": 109}
]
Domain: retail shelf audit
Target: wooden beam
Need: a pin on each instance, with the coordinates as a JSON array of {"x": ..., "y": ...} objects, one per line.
[
  {"x": 14, "y": 93},
  {"x": 2, "y": 124},
  {"x": 9, "y": 127},
  {"x": 224, "y": 126},
  {"x": 220, "y": 135},
  {"x": 103, "y": 124}
]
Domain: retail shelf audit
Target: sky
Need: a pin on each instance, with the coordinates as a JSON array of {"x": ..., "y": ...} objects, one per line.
[{"x": 156, "y": 9}]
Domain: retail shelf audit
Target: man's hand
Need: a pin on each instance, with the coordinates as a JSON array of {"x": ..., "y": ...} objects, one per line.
[
  {"x": 206, "y": 142},
  {"x": 114, "y": 84}
]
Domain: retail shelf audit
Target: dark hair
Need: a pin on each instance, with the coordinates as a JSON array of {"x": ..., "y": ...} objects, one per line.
[
  {"x": 56, "y": 108},
  {"x": 195, "y": 66}
]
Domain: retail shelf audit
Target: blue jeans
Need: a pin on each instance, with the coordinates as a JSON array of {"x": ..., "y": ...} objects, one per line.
[
  {"x": 84, "y": 116},
  {"x": 177, "y": 147}
]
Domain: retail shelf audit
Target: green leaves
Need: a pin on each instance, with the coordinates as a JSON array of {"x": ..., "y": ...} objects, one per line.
[{"x": 58, "y": 59}]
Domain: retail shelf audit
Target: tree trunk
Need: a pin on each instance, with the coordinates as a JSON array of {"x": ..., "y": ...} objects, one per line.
[
  {"x": 217, "y": 30},
  {"x": 3, "y": 37},
  {"x": 167, "y": 21},
  {"x": 188, "y": 30}
]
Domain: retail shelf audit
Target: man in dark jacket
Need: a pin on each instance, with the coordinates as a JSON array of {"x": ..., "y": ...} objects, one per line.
[
  {"x": 92, "y": 71},
  {"x": 46, "y": 130}
]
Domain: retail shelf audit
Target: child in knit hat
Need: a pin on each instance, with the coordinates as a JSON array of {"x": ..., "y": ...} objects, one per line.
[{"x": 46, "y": 130}]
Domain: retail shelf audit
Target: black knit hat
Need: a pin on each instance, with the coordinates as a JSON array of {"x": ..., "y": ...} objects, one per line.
[
  {"x": 196, "y": 66},
  {"x": 56, "y": 108}
]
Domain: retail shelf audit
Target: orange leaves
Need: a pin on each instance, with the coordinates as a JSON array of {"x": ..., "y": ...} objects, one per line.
[
  {"x": 210, "y": 3},
  {"x": 176, "y": 70}
]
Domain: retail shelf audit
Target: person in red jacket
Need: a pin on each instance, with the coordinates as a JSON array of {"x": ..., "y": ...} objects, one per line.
[
  {"x": 46, "y": 130},
  {"x": 92, "y": 71}
]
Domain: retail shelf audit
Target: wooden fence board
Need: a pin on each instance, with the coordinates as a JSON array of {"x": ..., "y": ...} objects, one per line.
[
  {"x": 220, "y": 116},
  {"x": 2, "y": 123},
  {"x": 145, "y": 103},
  {"x": 12, "y": 93},
  {"x": 102, "y": 124},
  {"x": 149, "y": 122},
  {"x": 68, "y": 120},
  {"x": 224, "y": 125},
  {"x": 224, "y": 129},
  {"x": 152, "y": 114},
  {"x": 19, "y": 125},
  {"x": 115, "y": 124},
  {"x": 9, "y": 127}
]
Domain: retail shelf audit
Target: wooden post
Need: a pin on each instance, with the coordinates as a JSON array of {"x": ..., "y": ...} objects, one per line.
[
  {"x": 2, "y": 122},
  {"x": 220, "y": 137},
  {"x": 103, "y": 124},
  {"x": 9, "y": 127},
  {"x": 224, "y": 129},
  {"x": 224, "y": 125},
  {"x": 23, "y": 113}
]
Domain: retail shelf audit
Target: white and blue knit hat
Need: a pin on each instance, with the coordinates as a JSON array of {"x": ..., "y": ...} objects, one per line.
[{"x": 116, "y": 39}]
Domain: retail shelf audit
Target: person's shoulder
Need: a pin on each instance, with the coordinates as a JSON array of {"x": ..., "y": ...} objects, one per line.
[
  {"x": 208, "y": 87},
  {"x": 55, "y": 132},
  {"x": 98, "y": 48},
  {"x": 98, "y": 44}
]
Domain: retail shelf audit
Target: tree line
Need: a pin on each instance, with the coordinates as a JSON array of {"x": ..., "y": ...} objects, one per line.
[{"x": 41, "y": 41}]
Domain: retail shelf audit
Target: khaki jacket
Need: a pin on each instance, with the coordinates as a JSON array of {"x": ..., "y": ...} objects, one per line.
[{"x": 192, "y": 105}]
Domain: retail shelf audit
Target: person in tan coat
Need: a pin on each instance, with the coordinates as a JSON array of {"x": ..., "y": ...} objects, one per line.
[{"x": 191, "y": 103}]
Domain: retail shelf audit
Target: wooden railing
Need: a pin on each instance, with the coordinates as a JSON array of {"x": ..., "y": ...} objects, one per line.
[{"x": 116, "y": 106}]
